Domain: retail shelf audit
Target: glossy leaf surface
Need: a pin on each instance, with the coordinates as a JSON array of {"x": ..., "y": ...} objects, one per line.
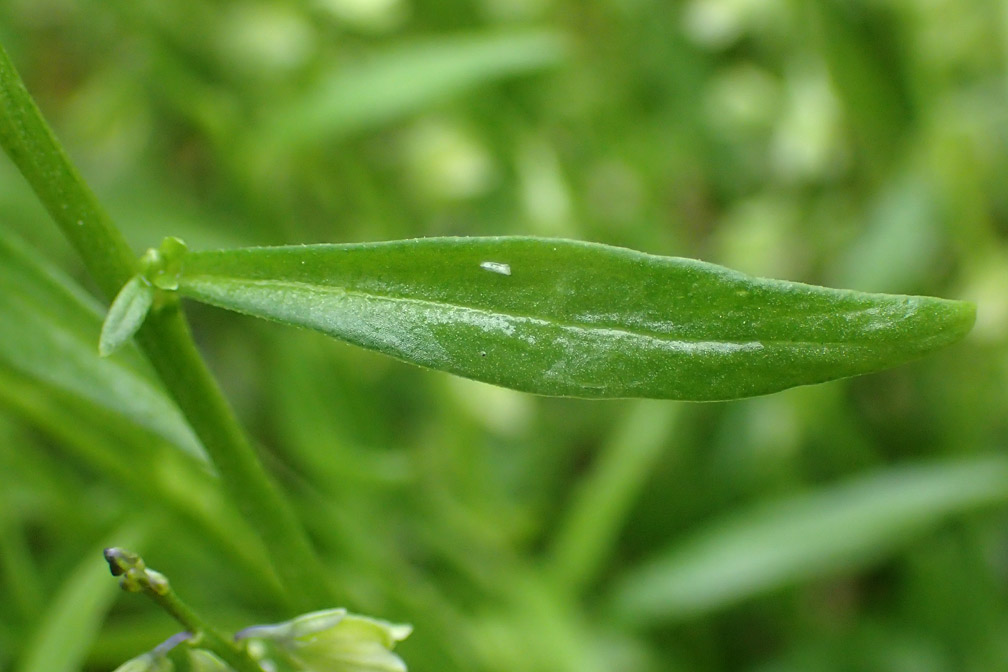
[{"x": 568, "y": 318}]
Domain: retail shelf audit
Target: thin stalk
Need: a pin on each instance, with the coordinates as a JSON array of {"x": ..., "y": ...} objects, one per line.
[
  {"x": 137, "y": 578},
  {"x": 164, "y": 338},
  {"x": 208, "y": 638}
]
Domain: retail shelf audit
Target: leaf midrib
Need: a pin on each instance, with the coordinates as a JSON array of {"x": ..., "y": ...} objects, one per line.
[{"x": 327, "y": 289}]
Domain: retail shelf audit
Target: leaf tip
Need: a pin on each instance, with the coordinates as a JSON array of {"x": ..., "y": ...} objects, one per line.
[
  {"x": 960, "y": 317},
  {"x": 968, "y": 309}
]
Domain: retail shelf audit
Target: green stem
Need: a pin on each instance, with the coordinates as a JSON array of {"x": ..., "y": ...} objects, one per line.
[
  {"x": 165, "y": 337},
  {"x": 155, "y": 586},
  {"x": 206, "y": 636},
  {"x": 31, "y": 145}
]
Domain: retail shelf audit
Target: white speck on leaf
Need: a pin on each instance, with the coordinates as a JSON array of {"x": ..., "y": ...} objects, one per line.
[{"x": 496, "y": 267}]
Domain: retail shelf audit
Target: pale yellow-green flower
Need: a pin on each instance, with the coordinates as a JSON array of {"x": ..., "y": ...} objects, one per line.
[
  {"x": 148, "y": 662},
  {"x": 201, "y": 660},
  {"x": 160, "y": 659},
  {"x": 333, "y": 641}
]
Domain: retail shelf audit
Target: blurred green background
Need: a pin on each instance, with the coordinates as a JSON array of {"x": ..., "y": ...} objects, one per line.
[{"x": 857, "y": 525}]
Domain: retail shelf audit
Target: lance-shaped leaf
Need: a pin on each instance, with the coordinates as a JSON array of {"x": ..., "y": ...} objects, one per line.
[{"x": 568, "y": 318}]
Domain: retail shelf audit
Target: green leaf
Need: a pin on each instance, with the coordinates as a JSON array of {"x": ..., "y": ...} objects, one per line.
[
  {"x": 48, "y": 328},
  {"x": 403, "y": 80},
  {"x": 126, "y": 314},
  {"x": 805, "y": 537},
  {"x": 568, "y": 318},
  {"x": 74, "y": 614}
]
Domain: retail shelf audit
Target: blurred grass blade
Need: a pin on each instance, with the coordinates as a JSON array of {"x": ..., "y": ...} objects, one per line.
[
  {"x": 403, "y": 80},
  {"x": 604, "y": 496},
  {"x": 806, "y": 537},
  {"x": 83, "y": 433},
  {"x": 568, "y": 318},
  {"x": 862, "y": 47},
  {"x": 48, "y": 331},
  {"x": 20, "y": 579},
  {"x": 74, "y": 615},
  {"x": 126, "y": 314}
]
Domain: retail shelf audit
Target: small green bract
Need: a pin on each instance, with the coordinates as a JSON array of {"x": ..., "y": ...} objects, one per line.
[{"x": 127, "y": 313}]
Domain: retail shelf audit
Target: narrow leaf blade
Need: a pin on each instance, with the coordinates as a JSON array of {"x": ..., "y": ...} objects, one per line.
[
  {"x": 403, "y": 80},
  {"x": 48, "y": 327},
  {"x": 74, "y": 615},
  {"x": 805, "y": 537},
  {"x": 576, "y": 319}
]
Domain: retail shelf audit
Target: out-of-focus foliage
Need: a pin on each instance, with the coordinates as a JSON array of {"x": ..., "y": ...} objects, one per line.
[{"x": 856, "y": 144}]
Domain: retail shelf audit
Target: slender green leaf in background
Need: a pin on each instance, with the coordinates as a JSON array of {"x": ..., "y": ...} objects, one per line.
[
  {"x": 19, "y": 577},
  {"x": 868, "y": 69},
  {"x": 600, "y": 504},
  {"x": 155, "y": 473},
  {"x": 567, "y": 318},
  {"x": 48, "y": 331},
  {"x": 75, "y": 614},
  {"x": 403, "y": 80},
  {"x": 806, "y": 536},
  {"x": 51, "y": 374}
]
